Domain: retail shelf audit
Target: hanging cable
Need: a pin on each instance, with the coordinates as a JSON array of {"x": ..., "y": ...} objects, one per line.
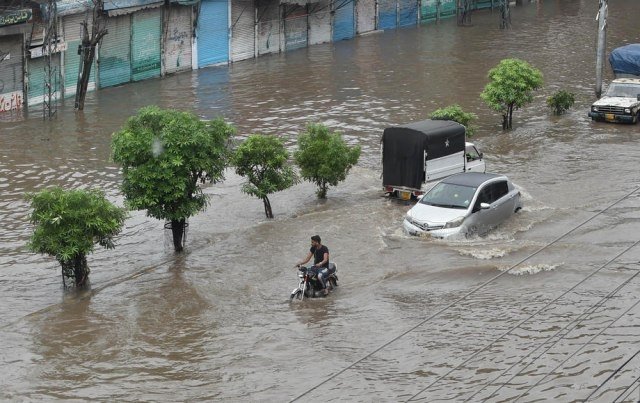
[
  {"x": 612, "y": 375},
  {"x": 574, "y": 322},
  {"x": 622, "y": 396},
  {"x": 578, "y": 350},
  {"x": 525, "y": 320},
  {"x": 465, "y": 296}
]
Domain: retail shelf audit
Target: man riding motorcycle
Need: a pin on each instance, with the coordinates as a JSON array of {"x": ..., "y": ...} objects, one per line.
[{"x": 320, "y": 266}]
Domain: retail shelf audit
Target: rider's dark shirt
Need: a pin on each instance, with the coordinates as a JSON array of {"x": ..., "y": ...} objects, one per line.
[{"x": 318, "y": 255}]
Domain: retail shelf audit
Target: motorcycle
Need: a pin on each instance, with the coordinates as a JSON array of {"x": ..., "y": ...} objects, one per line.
[{"x": 310, "y": 286}]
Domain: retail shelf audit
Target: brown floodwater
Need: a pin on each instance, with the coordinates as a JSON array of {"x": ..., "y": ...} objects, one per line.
[{"x": 541, "y": 309}]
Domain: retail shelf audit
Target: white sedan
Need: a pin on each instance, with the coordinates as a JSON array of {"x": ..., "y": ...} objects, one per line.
[{"x": 465, "y": 203}]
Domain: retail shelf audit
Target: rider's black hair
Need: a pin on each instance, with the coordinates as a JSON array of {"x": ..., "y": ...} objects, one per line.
[{"x": 316, "y": 238}]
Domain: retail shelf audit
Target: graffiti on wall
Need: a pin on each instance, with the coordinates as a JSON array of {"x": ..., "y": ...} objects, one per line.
[
  {"x": 10, "y": 101},
  {"x": 176, "y": 43}
]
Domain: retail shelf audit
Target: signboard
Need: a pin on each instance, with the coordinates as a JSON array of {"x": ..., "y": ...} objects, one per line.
[
  {"x": 10, "y": 101},
  {"x": 41, "y": 50},
  {"x": 15, "y": 17}
]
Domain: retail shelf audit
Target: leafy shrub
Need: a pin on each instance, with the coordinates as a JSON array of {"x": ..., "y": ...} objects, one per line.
[{"x": 561, "y": 101}]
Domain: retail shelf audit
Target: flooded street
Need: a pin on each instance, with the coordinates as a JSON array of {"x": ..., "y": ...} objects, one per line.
[{"x": 545, "y": 308}]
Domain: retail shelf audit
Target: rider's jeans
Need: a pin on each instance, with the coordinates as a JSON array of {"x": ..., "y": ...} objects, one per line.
[{"x": 323, "y": 273}]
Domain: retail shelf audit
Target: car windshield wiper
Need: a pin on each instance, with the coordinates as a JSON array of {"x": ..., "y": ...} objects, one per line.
[{"x": 445, "y": 205}]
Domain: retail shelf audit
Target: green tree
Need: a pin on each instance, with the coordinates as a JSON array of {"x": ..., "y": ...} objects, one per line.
[
  {"x": 68, "y": 224},
  {"x": 262, "y": 159},
  {"x": 561, "y": 101},
  {"x": 454, "y": 112},
  {"x": 510, "y": 87},
  {"x": 165, "y": 156},
  {"x": 324, "y": 158}
]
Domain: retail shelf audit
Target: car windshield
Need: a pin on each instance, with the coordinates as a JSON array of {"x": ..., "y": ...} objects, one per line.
[
  {"x": 623, "y": 90},
  {"x": 449, "y": 196}
]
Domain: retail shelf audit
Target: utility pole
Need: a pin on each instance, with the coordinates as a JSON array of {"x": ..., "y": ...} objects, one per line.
[
  {"x": 505, "y": 14},
  {"x": 49, "y": 48},
  {"x": 602, "y": 37}
]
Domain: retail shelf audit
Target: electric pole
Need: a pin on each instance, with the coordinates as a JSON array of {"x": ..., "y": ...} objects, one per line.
[{"x": 602, "y": 37}]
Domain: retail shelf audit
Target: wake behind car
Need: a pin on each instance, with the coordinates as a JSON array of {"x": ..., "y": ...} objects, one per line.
[{"x": 464, "y": 204}]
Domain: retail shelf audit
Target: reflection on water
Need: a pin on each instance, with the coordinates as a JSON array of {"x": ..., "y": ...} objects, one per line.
[{"x": 215, "y": 324}]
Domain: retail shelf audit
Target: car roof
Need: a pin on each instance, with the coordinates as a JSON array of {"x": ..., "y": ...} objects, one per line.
[{"x": 474, "y": 179}]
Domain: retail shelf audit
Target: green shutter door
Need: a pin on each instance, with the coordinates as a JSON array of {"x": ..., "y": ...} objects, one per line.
[
  {"x": 72, "y": 35},
  {"x": 36, "y": 92},
  {"x": 145, "y": 45},
  {"x": 114, "y": 65}
]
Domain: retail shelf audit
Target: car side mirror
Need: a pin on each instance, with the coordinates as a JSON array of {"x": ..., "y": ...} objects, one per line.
[
  {"x": 481, "y": 154},
  {"x": 484, "y": 206}
]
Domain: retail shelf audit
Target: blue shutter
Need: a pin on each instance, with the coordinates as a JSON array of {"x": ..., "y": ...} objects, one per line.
[
  {"x": 213, "y": 32},
  {"x": 145, "y": 45},
  {"x": 480, "y": 4},
  {"x": 343, "y": 20},
  {"x": 387, "y": 14},
  {"x": 408, "y": 12}
]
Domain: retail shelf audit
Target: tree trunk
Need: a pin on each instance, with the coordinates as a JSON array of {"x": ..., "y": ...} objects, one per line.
[
  {"x": 322, "y": 191},
  {"x": 177, "y": 229},
  {"x": 76, "y": 268},
  {"x": 505, "y": 120},
  {"x": 88, "y": 55},
  {"x": 80, "y": 270},
  {"x": 267, "y": 207}
]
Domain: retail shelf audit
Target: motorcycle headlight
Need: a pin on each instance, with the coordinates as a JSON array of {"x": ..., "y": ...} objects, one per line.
[
  {"x": 454, "y": 223},
  {"x": 627, "y": 110},
  {"x": 594, "y": 108}
]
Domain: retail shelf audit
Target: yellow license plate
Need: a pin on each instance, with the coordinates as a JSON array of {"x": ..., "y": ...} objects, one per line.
[
  {"x": 404, "y": 195},
  {"x": 610, "y": 117}
]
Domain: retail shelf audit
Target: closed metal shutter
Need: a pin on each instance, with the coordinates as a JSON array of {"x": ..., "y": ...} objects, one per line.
[
  {"x": 343, "y": 20},
  {"x": 319, "y": 22},
  {"x": 408, "y": 12},
  {"x": 72, "y": 31},
  {"x": 447, "y": 8},
  {"x": 366, "y": 12},
  {"x": 145, "y": 45},
  {"x": 242, "y": 29},
  {"x": 177, "y": 38},
  {"x": 429, "y": 10},
  {"x": 11, "y": 73},
  {"x": 295, "y": 27},
  {"x": 213, "y": 32},
  {"x": 480, "y": 4},
  {"x": 114, "y": 63},
  {"x": 269, "y": 37},
  {"x": 36, "y": 90},
  {"x": 387, "y": 14}
]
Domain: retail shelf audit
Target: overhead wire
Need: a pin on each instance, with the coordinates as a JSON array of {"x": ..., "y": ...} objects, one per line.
[
  {"x": 577, "y": 351},
  {"x": 465, "y": 296},
  {"x": 628, "y": 391},
  {"x": 475, "y": 354},
  {"x": 574, "y": 322},
  {"x": 612, "y": 375}
]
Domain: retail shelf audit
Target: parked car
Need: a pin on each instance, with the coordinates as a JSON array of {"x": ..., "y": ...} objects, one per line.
[{"x": 463, "y": 204}]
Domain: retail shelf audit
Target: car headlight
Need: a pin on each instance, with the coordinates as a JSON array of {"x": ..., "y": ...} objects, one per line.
[
  {"x": 627, "y": 110},
  {"x": 594, "y": 108},
  {"x": 454, "y": 223}
]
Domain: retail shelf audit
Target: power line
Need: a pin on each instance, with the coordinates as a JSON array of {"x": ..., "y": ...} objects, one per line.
[
  {"x": 525, "y": 320},
  {"x": 461, "y": 298},
  {"x": 575, "y": 352},
  {"x": 613, "y": 374},
  {"x": 622, "y": 395},
  {"x": 576, "y": 322}
]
